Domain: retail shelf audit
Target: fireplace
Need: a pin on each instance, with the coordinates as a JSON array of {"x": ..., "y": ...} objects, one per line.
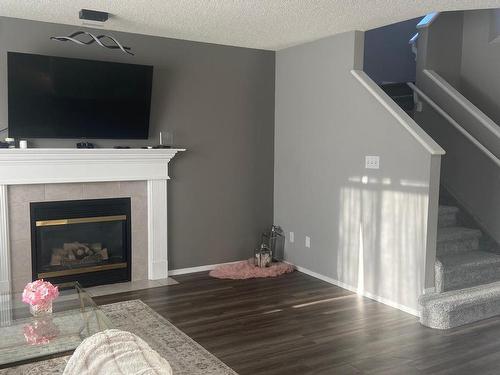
[{"x": 88, "y": 241}]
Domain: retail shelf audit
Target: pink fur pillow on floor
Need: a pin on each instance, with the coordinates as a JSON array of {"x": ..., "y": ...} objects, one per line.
[{"x": 246, "y": 270}]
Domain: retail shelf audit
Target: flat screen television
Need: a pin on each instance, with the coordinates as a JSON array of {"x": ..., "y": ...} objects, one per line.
[{"x": 57, "y": 97}]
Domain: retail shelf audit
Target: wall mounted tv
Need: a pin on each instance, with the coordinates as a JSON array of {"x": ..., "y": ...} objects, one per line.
[{"x": 56, "y": 97}]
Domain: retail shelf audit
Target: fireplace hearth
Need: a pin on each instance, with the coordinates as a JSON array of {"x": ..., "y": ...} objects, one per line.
[{"x": 88, "y": 241}]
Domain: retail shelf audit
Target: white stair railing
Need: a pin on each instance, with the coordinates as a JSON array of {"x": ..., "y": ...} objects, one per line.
[
  {"x": 452, "y": 121},
  {"x": 476, "y": 122},
  {"x": 398, "y": 113}
]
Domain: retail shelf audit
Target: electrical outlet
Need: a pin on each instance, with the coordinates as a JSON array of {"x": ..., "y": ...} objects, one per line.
[
  {"x": 372, "y": 162},
  {"x": 292, "y": 237},
  {"x": 308, "y": 241}
]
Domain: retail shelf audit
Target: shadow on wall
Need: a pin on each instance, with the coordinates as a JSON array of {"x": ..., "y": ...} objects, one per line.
[
  {"x": 387, "y": 54},
  {"x": 378, "y": 238}
]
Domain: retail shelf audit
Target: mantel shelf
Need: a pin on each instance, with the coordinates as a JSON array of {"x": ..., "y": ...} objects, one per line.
[
  {"x": 28, "y": 154},
  {"x": 63, "y": 165}
]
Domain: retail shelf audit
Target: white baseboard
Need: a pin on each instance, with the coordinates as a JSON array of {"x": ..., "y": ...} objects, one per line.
[
  {"x": 208, "y": 267},
  {"x": 375, "y": 297}
]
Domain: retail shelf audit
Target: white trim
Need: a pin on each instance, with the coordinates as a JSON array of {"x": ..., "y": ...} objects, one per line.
[
  {"x": 4, "y": 287},
  {"x": 157, "y": 230},
  {"x": 375, "y": 297},
  {"x": 401, "y": 116},
  {"x": 5, "y": 302},
  {"x": 5, "y": 309},
  {"x": 427, "y": 20},
  {"x": 4, "y": 241},
  {"x": 75, "y": 154},
  {"x": 43, "y": 165},
  {"x": 208, "y": 267}
]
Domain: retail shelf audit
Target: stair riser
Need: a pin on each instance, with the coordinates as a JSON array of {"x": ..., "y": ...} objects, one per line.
[
  {"x": 442, "y": 319},
  {"x": 465, "y": 278},
  {"x": 447, "y": 220},
  {"x": 457, "y": 246}
]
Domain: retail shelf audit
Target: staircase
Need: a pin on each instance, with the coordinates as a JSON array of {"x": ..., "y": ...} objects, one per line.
[
  {"x": 467, "y": 264},
  {"x": 401, "y": 94},
  {"x": 467, "y": 274}
]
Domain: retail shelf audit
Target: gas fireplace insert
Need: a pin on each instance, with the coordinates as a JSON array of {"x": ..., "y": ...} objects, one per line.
[{"x": 88, "y": 241}]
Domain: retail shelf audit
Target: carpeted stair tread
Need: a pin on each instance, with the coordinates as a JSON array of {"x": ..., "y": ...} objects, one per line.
[
  {"x": 459, "y": 307},
  {"x": 463, "y": 270},
  {"x": 454, "y": 298},
  {"x": 467, "y": 278}
]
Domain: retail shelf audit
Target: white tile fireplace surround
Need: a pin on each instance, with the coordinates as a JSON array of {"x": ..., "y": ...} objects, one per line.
[{"x": 36, "y": 175}]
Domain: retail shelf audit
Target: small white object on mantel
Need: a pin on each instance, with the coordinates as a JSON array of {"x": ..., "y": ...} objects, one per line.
[{"x": 60, "y": 165}]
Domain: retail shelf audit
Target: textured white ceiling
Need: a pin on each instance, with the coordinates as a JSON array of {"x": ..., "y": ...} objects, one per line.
[{"x": 266, "y": 24}]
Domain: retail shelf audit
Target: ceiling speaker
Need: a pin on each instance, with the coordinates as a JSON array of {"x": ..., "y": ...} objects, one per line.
[{"x": 93, "y": 15}]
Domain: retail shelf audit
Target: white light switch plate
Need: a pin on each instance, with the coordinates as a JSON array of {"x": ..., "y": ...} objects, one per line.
[
  {"x": 292, "y": 237},
  {"x": 308, "y": 241},
  {"x": 372, "y": 162}
]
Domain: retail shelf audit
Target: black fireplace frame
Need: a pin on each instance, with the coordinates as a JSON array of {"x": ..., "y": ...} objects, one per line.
[{"x": 84, "y": 208}]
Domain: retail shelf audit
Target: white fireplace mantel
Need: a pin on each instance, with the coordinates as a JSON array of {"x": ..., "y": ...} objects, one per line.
[{"x": 46, "y": 166}]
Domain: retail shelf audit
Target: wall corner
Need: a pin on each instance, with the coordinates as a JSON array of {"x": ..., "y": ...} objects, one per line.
[{"x": 359, "y": 50}]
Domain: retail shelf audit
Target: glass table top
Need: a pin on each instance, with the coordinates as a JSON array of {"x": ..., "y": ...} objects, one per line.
[{"x": 24, "y": 338}]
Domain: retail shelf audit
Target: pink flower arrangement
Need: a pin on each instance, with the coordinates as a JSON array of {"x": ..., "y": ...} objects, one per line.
[{"x": 40, "y": 292}]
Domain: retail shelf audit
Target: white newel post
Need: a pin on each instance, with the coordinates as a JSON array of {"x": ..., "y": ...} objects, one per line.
[{"x": 157, "y": 230}]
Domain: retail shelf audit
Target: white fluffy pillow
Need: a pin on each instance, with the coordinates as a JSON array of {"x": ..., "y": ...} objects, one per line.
[{"x": 116, "y": 352}]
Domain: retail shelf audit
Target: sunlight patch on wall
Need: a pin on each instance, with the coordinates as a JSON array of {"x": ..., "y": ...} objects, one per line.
[{"x": 382, "y": 237}]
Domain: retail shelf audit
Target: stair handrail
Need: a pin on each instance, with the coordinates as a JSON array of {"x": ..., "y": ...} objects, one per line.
[
  {"x": 399, "y": 114},
  {"x": 413, "y": 39},
  {"x": 427, "y": 20},
  {"x": 413, "y": 44},
  {"x": 464, "y": 102},
  {"x": 452, "y": 121}
]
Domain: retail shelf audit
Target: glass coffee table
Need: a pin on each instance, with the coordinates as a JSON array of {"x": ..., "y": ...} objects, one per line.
[{"x": 24, "y": 338}]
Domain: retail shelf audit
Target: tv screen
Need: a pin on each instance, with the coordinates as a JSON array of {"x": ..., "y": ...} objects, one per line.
[{"x": 57, "y": 97}]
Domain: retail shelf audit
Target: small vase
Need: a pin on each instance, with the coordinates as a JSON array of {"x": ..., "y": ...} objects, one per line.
[{"x": 41, "y": 309}]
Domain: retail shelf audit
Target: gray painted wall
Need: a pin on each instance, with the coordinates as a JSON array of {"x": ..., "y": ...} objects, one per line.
[
  {"x": 440, "y": 47},
  {"x": 464, "y": 48},
  {"x": 368, "y": 227},
  {"x": 219, "y": 101},
  {"x": 480, "y": 62},
  {"x": 388, "y": 56}
]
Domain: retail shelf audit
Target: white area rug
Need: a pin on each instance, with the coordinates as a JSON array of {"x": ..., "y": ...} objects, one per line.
[{"x": 185, "y": 355}]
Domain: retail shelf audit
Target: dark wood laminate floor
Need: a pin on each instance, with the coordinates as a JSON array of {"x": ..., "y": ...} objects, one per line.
[{"x": 296, "y": 324}]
